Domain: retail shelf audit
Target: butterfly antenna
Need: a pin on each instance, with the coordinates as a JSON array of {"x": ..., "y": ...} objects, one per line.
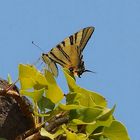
[
  {"x": 89, "y": 71},
  {"x": 36, "y": 62},
  {"x": 37, "y": 47}
]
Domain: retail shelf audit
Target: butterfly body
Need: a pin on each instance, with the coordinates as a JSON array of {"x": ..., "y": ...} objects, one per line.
[{"x": 68, "y": 53}]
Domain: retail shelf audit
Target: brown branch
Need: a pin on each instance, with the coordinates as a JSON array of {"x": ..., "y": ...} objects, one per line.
[{"x": 53, "y": 125}]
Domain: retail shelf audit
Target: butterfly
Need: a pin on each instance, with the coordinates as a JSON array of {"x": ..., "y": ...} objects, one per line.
[{"x": 68, "y": 53}]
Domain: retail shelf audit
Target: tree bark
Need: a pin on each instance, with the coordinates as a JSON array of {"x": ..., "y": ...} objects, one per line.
[{"x": 15, "y": 114}]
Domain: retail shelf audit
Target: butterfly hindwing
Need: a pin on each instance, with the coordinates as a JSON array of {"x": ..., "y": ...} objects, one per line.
[{"x": 51, "y": 64}]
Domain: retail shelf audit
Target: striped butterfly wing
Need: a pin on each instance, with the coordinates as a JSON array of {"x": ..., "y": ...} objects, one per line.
[
  {"x": 51, "y": 64},
  {"x": 68, "y": 53},
  {"x": 86, "y": 34}
]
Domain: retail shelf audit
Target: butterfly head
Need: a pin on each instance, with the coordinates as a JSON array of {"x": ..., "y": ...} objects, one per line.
[{"x": 79, "y": 70}]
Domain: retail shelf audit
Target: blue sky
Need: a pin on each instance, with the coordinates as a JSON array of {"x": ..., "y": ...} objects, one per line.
[{"x": 113, "y": 51}]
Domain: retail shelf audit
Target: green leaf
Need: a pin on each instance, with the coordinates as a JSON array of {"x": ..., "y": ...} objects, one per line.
[
  {"x": 45, "y": 103},
  {"x": 116, "y": 131},
  {"x": 54, "y": 93},
  {"x": 30, "y": 77},
  {"x": 41, "y": 114},
  {"x": 106, "y": 113},
  {"x": 70, "y": 80},
  {"x": 27, "y": 75},
  {"x": 9, "y": 79},
  {"x": 27, "y": 83},
  {"x": 40, "y": 80},
  {"x": 91, "y": 127},
  {"x": 60, "y": 131},
  {"x": 80, "y": 122},
  {"x": 65, "y": 70},
  {"x": 84, "y": 115},
  {"x": 82, "y": 136},
  {"x": 73, "y": 136},
  {"x": 91, "y": 98},
  {"x": 70, "y": 135},
  {"x": 104, "y": 119},
  {"x": 72, "y": 127},
  {"x": 50, "y": 78},
  {"x": 27, "y": 71},
  {"x": 89, "y": 114},
  {"x": 70, "y": 107},
  {"x": 103, "y": 138},
  {"x": 80, "y": 99},
  {"x": 83, "y": 99},
  {"x": 36, "y": 95},
  {"x": 44, "y": 133}
]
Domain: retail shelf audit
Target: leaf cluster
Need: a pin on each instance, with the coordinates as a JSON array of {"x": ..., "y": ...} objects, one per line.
[{"x": 83, "y": 116}]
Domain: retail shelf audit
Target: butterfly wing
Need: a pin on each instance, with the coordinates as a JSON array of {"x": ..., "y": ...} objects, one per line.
[
  {"x": 68, "y": 53},
  {"x": 79, "y": 39},
  {"x": 51, "y": 64},
  {"x": 86, "y": 34}
]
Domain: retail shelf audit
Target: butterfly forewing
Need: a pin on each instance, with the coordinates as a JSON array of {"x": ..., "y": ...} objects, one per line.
[{"x": 68, "y": 53}]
